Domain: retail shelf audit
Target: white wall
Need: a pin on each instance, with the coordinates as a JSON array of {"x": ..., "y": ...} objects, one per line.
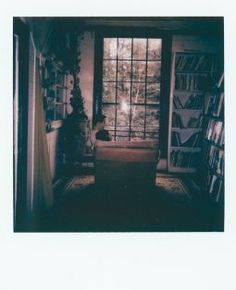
[
  {"x": 54, "y": 141},
  {"x": 87, "y": 71}
]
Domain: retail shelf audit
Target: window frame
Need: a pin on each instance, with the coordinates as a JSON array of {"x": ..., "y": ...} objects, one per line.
[{"x": 165, "y": 72}]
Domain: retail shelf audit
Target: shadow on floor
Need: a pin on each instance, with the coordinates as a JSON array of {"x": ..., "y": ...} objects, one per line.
[{"x": 165, "y": 208}]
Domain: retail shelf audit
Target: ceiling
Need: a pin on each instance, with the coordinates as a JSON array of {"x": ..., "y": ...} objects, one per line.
[{"x": 164, "y": 24}]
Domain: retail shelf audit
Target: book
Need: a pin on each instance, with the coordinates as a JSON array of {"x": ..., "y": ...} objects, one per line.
[
  {"x": 184, "y": 159},
  {"x": 213, "y": 150},
  {"x": 176, "y": 120},
  {"x": 218, "y": 105}
]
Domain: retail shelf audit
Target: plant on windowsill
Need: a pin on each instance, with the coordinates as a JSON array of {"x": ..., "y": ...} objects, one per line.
[
  {"x": 76, "y": 123},
  {"x": 77, "y": 100}
]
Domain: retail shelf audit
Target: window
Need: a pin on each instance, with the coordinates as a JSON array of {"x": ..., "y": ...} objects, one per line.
[
  {"x": 55, "y": 91},
  {"x": 131, "y": 87}
]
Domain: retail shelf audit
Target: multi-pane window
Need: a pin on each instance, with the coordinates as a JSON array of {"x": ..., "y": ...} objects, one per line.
[
  {"x": 55, "y": 91},
  {"x": 131, "y": 87}
]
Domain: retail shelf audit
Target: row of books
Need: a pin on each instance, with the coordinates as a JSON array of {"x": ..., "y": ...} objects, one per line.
[
  {"x": 215, "y": 131},
  {"x": 215, "y": 104},
  {"x": 195, "y": 63},
  {"x": 185, "y": 159},
  {"x": 215, "y": 159},
  {"x": 190, "y": 82},
  {"x": 193, "y": 140},
  {"x": 194, "y": 102},
  {"x": 194, "y": 122},
  {"x": 215, "y": 186}
]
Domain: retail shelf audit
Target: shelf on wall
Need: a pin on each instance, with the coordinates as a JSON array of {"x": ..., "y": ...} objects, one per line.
[
  {"x": 182, "y": 169},
  {"x": 186, "y": 129},
  {"x": 193, "y": 72},
  {"x": 188, "y": 91},
  {"x": 189, "y": 77},
  {"x": 188, "y": 149},
  {"x": 187, "y": 110}
]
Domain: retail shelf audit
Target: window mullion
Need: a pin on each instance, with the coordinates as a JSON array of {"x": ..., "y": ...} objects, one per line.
[
  {"x": 145, "y": 92},
  {"x": 116, "y": 87},
  {"x": 131, "y": 86}
]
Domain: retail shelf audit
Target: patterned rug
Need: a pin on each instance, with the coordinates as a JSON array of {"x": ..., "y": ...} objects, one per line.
[
  {"x": 170, "y": 185},
  {"x": 81, "y": 182}
]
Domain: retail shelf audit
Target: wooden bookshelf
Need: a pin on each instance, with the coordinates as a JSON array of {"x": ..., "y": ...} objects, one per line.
[
  {"x": 213, "y": 145},
  {"x": 191, "y": 72}
]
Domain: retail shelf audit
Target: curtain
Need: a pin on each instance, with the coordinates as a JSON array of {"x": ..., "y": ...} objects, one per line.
[{"x": 43, "y": 193}]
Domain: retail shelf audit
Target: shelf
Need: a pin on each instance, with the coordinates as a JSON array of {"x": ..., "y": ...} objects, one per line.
[
  {"x": 182, "y": 169},
  {"x": 186, "y": 129},
  {"x": 188, "y": 91},
  {"x": 194, "y": 52},
  {"x": 190, "y": 149},
  {"x": 188, "y": 110},
  {"x": 192, "y": 72}
]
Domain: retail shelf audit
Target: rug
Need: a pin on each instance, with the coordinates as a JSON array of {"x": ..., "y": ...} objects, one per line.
[
  {"x": 81, "y": 182},
  {"x": 172, "y": 186}
]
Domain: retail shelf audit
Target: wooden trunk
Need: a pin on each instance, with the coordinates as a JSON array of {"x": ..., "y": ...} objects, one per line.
[{"x": 126, "y": 163}]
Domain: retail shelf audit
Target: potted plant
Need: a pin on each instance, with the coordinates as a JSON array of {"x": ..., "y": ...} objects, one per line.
[{"x": 76, "y": 123}]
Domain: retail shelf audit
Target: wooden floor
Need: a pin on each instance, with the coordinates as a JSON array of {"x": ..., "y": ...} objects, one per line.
[{"x": 174, "y": 205}]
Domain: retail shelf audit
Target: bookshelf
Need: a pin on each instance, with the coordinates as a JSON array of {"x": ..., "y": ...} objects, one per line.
[
  {"x": 192, "y": 74},
  {"x": 213, "y": 144},
  {"x": 56, "y": 91}
]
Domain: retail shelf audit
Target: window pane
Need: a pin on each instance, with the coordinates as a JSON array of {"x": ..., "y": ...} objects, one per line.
[
  {"x": 60, "y": 78},
  {"x": 139, "y": 70},
  {"x": 123, "y": 92},
  {"x": 52, "y": 77},
  {"x": 151, "y": 136},
  {"x": 109, "y": 92},
  {"x": 118, "y": 138},
  {"x": 123, "y": 113},
  {"x": 139, "y": 48},
  {"x": 59, "y": 112},
  {"x": 124, "y": 48},
  {"x": 154, "y": 71},
  {"x": 60, "y": 94},
  {"x": 152, "y": 118},
  {"x": 110, "y": 47},
  {"x": 137, "y": 136},
  {"x": 130, "y": 93},
  {"x": 109, "y": 70},
  {"x": 109, "y": 112},
  {"x": 51, "y": 93},
  {"x": 153, "y": 93},
  {"x": 154, "y": 49},
  {"x": 137, "y": 129},
  {"x": 122, "y": 133},
  {"x": 138, "y": 93},
  {"x": 124, "y": 69},
  {"x": 138, "y": 113}
]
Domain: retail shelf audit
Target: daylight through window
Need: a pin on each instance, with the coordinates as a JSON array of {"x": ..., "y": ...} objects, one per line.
[{"x": 131, "y": 87}]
